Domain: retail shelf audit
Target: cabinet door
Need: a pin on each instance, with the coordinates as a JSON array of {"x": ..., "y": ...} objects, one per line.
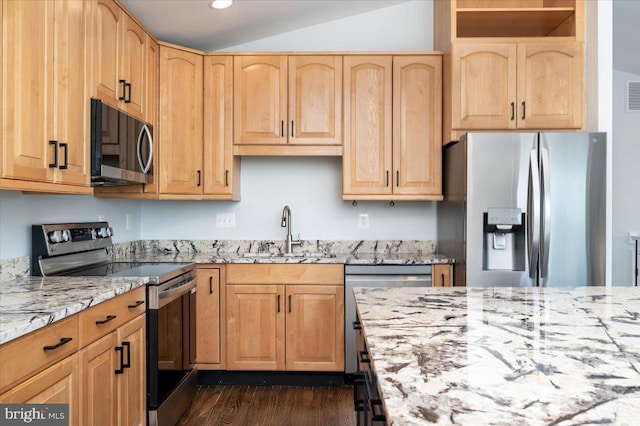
[
  {"x": 98, "y": 394},
  {"x": 315, "y": 328},
  {"x": 221, "y": 170},
  {"x": 71, "y": 100},
  {"x": 208, "y": 318},
  {"x": 57, "y": 384},
  {"x": 550, "y": 81},
  {"x": 107, "y": 51},
  {"x": 483, "y": 92},
  {"x": 260, "y": 100},
  {"x": 442, "y": 276},
  {"x": 28, "y": 90},
  {"x": 133, "y": 67},
  {"x": 366, "y": 160},
  {"x": 132, "y": 391},
  {"x": 180, "y": 122},
  {"x": 255, "y": 327},
  {"x": 315, "y": 100},
  {"x": 151, "y": 109},
  {"x": 417, "y": 125}
]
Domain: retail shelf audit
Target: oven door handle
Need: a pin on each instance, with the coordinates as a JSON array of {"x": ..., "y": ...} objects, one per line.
[{"x": 182, "y": 286}]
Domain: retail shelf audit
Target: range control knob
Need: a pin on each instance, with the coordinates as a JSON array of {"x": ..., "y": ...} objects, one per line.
[
  {"x": 55, "y": 237},
  {"x": 104, "y": 232},
  {"x": 66, "y": 235}
]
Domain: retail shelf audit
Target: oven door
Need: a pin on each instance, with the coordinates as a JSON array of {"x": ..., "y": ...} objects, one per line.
[{"x": 171, "y": 348}]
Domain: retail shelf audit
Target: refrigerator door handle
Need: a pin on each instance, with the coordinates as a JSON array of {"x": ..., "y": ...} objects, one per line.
[
  {"x": 533, "y": 212},
  {"x": 546, "y": 213}
]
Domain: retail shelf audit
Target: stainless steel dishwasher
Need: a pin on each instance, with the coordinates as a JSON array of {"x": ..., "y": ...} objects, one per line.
[{"x": 375, "y": 276}]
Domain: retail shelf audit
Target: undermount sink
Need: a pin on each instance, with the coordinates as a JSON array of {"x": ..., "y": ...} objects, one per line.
[{"x": 267, "y": 255}]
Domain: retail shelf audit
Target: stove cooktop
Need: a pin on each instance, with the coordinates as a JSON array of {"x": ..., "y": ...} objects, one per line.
[{"x": 157, "y": 272}]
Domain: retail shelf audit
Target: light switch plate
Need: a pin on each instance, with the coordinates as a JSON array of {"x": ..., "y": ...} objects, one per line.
[
  {"x": 363, "y": 220},
  {"x": 225, "y": 220}
]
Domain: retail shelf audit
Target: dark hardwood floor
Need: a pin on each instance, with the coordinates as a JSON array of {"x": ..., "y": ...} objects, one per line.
[{"x": 271, "y": 405}]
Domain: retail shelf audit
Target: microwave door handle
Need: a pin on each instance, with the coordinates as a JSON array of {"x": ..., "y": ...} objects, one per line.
[{"x": 145, "y": 166}]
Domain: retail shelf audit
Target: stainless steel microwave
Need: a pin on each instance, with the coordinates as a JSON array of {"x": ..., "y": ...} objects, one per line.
[{"x": 121, "y": 147}]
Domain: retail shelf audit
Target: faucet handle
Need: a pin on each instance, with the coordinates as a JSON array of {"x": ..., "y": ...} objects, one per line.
[{"x": 297, "y": 242}]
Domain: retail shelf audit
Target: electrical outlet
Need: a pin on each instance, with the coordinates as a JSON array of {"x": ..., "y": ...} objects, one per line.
[
  {"x": 363, "y": 220},
  {"x": 127, "y": 219},
  {"x": 225, "y": 220}
]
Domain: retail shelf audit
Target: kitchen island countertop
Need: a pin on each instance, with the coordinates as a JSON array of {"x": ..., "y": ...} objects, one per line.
[{"x": 505, "y": 356}]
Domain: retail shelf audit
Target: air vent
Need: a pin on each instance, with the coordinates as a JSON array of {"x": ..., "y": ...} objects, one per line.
[{"x": 633, "y": 96}]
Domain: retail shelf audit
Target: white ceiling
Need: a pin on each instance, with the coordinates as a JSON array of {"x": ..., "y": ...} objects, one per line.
[{"x": 192, "y": 23}]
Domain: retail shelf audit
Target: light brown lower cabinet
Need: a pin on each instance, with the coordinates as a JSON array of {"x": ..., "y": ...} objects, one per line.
[
  {"x": 442, "y": 275},
  {"x": 274, "y": 324},
  {"x": 57, "y": 384},
  {"x": 112, "y": 371},
  {"x": 210, "y": 314}
]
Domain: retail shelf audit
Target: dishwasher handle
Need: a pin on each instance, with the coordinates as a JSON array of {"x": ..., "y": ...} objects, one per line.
[{"x": 389, "y": 280}]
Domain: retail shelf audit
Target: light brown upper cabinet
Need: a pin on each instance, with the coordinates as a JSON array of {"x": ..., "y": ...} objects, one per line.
[
  {"x": 119, "y": 55},
  {"x": 392, "y": 115},
  {"x": 511, "y": 64},
  {"x": 517, "y": 86},
  {"x": 180, "y": 122},
  {"x": 288, "y": 105},
  {"x": 45, "y": 102}
]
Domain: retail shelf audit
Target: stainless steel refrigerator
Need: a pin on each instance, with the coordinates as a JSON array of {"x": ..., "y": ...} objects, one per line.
[{"x": 525, "y": 209}]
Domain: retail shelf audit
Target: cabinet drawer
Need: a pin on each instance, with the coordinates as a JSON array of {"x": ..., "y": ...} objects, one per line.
[
  {"x": 23, "y": 357},
  {"x": 285, "y": 274},
  {"x": 102, "y": 319}
]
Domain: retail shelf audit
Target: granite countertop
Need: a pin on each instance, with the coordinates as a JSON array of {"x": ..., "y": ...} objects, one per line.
[
  {"x": 505, "y": 356},
  {"x": 30, "y": 303}
]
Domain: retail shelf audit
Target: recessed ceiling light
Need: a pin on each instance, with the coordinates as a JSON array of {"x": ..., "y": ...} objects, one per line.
[{"x": 220, "y": 4}]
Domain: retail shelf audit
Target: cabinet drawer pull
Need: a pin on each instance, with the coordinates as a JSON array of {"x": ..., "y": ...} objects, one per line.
[
  {"x": 124, "y": 89},
  {"x": 513, "y": 111},
  {"x": 63, "y": 340},
  {"x": 65, "y": 147},
  {"x": 55, "y": 154},
  {"x": 210, "y": 285},
  {"x": 358, "y": 388},
  {"x": 121, "y": 350},
  {"x": 128, "y": 363},
  {"x": 135, "y": 305},
  {"x": 364, "y": 357},
  {"x": 106, "y": 320},
  {"x": 357, "y": 325},
  {"x": 376, "y": 417},
  {"x": 524, "y": 106}
]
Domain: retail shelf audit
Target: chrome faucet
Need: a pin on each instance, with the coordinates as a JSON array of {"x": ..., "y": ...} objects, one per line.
[{"x": 286, "y": 222}]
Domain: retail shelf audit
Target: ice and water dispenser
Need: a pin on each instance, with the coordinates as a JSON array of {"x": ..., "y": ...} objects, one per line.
[{"x": 504, "y": 245}]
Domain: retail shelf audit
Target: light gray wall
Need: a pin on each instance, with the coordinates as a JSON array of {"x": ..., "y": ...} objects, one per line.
[
  {"x": 18, "y": 212},
  {"x": 626, "y": 179},
  {"x": 311, "y": 186}
]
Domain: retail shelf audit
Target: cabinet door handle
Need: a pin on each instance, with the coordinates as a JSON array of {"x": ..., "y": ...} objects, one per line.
[
  {"x": 357, "y": 325},
  {"x": 128, "y": 363},
  {"x": 63, "y": 340},
  {"x": 443, "y": 283},
  {"x": 106, "y": 320},
  {"x": 289, "y": 303},
  {"x": 282, "y": 128},
  {"x": 524, "y": 106},
  {"x": 65, "y": 148},
  {"x": 293, "y": 134},
  {"x": 128, "y": 98},
  {"x": 124, "y": 89},
  {"x": 121, "y": 350},
  {"x": 135, "y": 305},
  {"x": 397, "y": 178},
  {"x": 226, "y": 178},
  {"x": 513, "y": 111},
  {"x": 210, "y": 285},
  {"x": 387, "y": 184},
  {"x": 55, "y": 154},
  {"x": 278, "y": 303},
  {"x": 199, "y": 178}
]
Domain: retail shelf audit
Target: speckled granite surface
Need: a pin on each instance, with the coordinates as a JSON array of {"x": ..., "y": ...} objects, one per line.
[
  {"x": 505, "y": 356},
  {"x": 27, "y": 304}
]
